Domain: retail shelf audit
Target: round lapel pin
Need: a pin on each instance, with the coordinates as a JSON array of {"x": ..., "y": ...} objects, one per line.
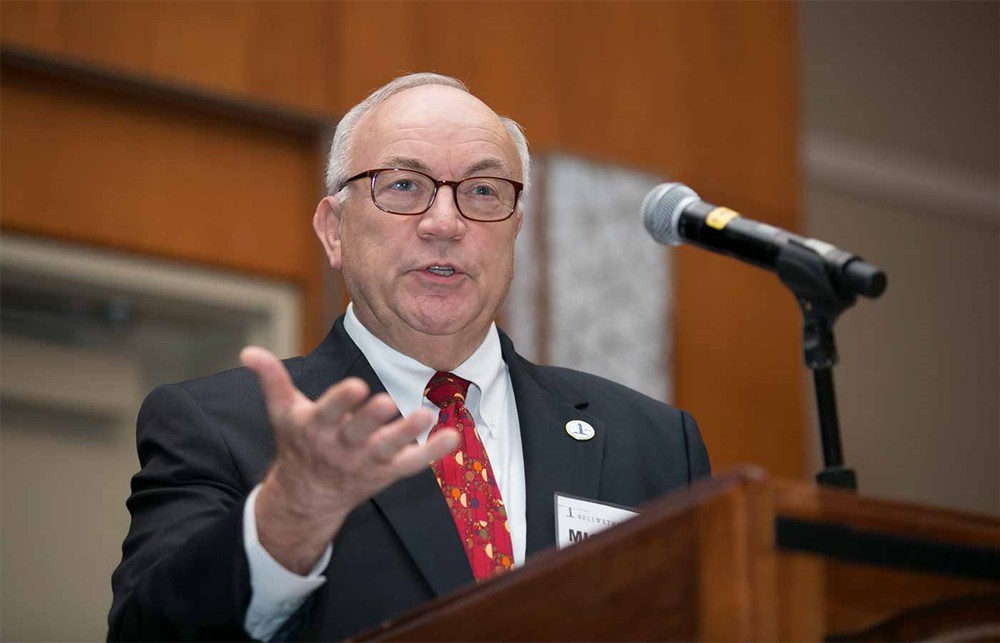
[{"x": 580, "y": 430}]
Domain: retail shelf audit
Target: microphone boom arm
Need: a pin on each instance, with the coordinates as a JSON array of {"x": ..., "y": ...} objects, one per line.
[
  {"x": 825, "y": 280},
  {"x": 804, "y": 272}
]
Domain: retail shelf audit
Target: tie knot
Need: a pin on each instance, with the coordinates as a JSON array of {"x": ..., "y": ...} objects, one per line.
[{"x": 444, "y": 388}]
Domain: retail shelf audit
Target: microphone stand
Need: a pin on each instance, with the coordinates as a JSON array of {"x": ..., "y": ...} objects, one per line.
[{"x": 803, "y": 271}]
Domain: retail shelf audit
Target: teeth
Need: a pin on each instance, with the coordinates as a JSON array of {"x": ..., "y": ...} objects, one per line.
[{"x": 444, "y": 271}]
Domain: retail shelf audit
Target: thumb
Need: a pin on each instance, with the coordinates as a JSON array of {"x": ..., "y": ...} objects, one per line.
[{"x": 279, "y": 392}]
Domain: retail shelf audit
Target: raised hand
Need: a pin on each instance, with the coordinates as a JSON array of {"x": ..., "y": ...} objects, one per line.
[{"x": 331, "y": 455}]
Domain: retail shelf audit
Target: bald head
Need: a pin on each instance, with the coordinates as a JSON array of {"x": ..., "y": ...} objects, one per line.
[
  {"x": 434, "y": 121},
  {"x": 341, "y": 162}
]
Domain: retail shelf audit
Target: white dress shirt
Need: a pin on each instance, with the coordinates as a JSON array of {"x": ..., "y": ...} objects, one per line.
[{"x": 277, "y": 592}]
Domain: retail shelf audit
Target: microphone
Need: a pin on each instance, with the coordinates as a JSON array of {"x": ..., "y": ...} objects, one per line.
[{"x": 673, "y": 213}]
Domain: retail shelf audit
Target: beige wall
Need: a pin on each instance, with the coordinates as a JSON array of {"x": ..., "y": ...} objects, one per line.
[
  {"x": 104, "y": 328},
  {"x": 902, "y": 143}
]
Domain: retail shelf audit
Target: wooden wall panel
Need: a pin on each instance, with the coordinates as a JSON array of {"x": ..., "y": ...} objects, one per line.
[
  {"x": 273, "y": 51},
  {"x": 96, "y": 167},
  {"x": 156, "y": 180},
  {"x": 701, "y": 92}
]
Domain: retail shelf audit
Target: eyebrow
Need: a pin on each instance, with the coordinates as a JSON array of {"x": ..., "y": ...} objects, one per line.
[
  {"x": 487, "y": 164},
  {"x": 405, "y": 162}
]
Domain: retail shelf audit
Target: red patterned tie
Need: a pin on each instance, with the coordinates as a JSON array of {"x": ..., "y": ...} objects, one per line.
[{"x": 467, "y": 481}]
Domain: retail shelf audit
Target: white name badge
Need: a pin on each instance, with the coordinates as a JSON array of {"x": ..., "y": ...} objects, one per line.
[{"x": 578, "y": 519}]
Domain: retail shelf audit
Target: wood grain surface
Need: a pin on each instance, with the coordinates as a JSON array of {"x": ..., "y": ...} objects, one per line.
[{"x": 700, "y": 92}]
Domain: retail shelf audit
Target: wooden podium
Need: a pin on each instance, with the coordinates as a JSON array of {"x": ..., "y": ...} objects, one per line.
[{"x": 744, "y": 557}]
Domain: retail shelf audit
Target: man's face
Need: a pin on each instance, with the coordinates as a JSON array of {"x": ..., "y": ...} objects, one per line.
[{"x": 386, "y": 258}]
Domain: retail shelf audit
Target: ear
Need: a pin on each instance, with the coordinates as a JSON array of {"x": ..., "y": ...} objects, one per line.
[
  {"x": 520, "y": 220},
  {"x": 326, "y": 223}
]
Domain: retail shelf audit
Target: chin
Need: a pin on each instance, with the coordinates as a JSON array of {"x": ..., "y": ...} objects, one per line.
[
  {"x": 440, "y": 321},
  {"x": 439, "y": 327}
]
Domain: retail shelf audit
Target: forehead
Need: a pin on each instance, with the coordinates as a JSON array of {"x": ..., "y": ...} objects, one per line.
[{"x": 442, "y": 127}]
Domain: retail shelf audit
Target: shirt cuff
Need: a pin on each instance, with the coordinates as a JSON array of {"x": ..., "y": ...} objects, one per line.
[{"x": 275, "y": 592}]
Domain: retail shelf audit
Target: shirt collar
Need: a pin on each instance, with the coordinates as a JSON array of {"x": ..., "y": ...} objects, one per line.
[{"x": 404, "y": 378}]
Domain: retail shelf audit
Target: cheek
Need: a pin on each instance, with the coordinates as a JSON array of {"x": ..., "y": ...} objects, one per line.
[
  {"x": 373, "y": 255},
  {"x": 502, "y": 262},
  {"x": 363, "y": 238},
  {"x": 358, "y": 261}
]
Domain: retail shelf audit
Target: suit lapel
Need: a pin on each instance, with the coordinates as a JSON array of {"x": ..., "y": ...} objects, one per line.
[
  {"x": 417, "y": 512},
  {"x": 553, "y": 461},
  {"x": 414, "y": 506}
]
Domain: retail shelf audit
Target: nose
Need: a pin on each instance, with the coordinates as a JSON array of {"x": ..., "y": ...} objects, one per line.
[{"x": 442, "y": 219}]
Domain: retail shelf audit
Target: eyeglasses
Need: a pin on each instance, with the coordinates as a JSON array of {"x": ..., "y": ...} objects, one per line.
[{"x": 408, "y": 192}]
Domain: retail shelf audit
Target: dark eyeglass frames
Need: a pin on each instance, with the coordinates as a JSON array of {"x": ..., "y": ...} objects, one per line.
[{"x": 408, "y": 192}]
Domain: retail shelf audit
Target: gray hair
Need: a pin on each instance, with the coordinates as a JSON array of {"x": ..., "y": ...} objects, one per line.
[{"x": 338, "y": 162}]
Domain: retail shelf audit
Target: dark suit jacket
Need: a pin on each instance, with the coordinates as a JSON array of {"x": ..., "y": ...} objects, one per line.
[{"x": 204, "y": 444}]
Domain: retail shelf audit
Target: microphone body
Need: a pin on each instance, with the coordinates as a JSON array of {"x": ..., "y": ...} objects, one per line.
[{"x": 673, "y": 213}]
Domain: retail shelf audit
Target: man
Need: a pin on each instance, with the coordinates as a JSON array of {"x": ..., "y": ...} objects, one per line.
[{"x": 295, "y": 500}]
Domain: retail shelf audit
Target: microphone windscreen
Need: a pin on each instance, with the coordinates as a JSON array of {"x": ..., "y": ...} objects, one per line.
[{"x": 661, "y": 211}]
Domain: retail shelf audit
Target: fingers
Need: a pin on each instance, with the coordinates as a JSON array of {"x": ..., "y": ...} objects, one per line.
[
  {"x": 339, "y": 401},
  {"x": 372, "y": 429},
  {"x": 414, "y": 458},
  {"x": 377, "y": 412},
  {"x": 279, "y": 392},
  {"x": 440, "y": 444},
  {"x": 348, "y": 427},
  {"x": 384, "y": 444}
]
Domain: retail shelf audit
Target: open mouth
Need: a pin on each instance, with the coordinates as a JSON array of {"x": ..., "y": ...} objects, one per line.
[{"x": 442, "y": 271}]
